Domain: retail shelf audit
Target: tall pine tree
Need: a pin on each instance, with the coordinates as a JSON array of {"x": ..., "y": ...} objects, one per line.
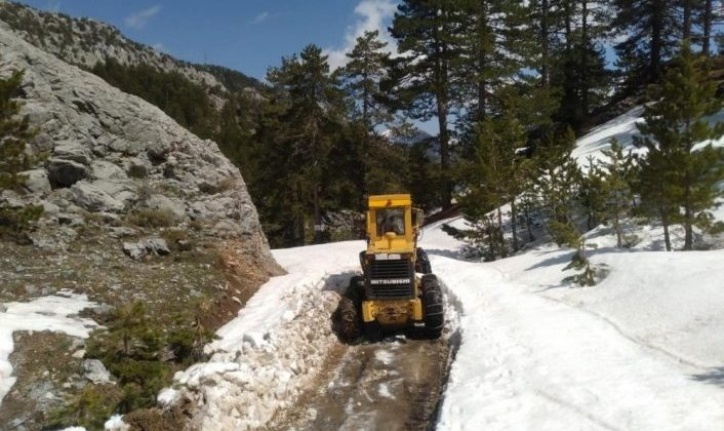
[
  {"x": 675, "y": 126},
  {"x": 362, "y": 77},
  {"x": 313, "y": 109},
  {"x": 650, "y": 31},
  {"x": 426, "y": 35}
]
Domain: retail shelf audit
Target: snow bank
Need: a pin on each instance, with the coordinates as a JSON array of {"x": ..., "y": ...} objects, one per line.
[
  {"x": 635, "y": 352},
  {"x": 274, "y": 349}
]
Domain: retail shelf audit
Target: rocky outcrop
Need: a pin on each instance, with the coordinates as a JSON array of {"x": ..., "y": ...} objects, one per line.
[{"x": 111, "y": 156}]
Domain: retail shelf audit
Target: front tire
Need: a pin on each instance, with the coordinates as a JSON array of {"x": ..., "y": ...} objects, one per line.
[
  {"x": 422, "y": 264},
  {"x": 350, "y": 311},
  {"x": 432, "y": 304}
]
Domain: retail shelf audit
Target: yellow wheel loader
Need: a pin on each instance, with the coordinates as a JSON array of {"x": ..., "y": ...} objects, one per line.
[{"x": 397, "y": 289}]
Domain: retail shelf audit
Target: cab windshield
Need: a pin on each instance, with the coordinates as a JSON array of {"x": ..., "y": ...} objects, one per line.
[{"x": 390, "y": 220}]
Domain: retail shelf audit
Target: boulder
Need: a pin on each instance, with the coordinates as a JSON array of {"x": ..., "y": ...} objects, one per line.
[
  {"x": 138, "y": 250},
  {"x": 93, "y": 199},
  {"x": 37, "y": 181},
  {"x": 65, "y": 173},
  {"x": 96, "y": 372},
  {"x": 105, "y": 170}
]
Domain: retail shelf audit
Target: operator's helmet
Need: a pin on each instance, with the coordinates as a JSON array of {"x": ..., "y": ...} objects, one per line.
[{"x": 396, "y": 222}]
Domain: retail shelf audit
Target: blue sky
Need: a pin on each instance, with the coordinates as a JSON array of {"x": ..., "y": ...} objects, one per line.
[{"x": 245, "y": 35}]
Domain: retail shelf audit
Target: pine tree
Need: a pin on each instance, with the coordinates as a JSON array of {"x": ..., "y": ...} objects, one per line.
[
  {"x": 592, "y": 193},
  {"x": 558, "y": 179},
  {"x": 650, "y": 30},
  {"x": 674, "y": 125},
  {"x": 495, "y": 47},
  {"x": 422, "y": 76},
  {"x": 618, "y": 171},
  {"x": 485, "y": 179},
  {"x": 362, "y": 76},
  {"x": 576, "y": 64},
  {"x": 313, "y": 113},
  {"x": 15, "y": 133}
]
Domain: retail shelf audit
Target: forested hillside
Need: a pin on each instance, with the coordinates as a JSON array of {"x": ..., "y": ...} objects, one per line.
[{"x": 508, "y": 86}]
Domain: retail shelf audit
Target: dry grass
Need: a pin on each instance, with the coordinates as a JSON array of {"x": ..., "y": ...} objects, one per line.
[{"x": 93, "y": 263}]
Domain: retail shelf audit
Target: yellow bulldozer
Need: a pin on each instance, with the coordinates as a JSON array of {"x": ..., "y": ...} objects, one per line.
[{"x": 397, "y": 289}]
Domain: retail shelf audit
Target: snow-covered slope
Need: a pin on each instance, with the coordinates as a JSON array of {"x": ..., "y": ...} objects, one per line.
[{"x": 641, "y": 351}]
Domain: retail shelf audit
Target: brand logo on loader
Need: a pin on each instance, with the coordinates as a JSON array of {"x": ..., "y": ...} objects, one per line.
[{"x": 391, "y": 281}]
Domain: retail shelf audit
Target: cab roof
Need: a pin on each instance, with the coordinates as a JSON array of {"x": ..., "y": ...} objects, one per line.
[{"x": 393, "y": 200}]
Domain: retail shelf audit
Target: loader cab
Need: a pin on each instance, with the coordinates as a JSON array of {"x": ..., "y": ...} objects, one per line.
[{"x": 390, "y": 224}]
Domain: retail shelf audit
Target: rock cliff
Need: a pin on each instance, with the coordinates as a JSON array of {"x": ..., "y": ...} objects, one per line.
[
  {"x": 137, "y": 209},
  {"x": 111, "y": 155}
]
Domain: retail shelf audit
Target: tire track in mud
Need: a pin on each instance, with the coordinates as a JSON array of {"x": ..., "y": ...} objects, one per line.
[{"x": 395, "y": 384}]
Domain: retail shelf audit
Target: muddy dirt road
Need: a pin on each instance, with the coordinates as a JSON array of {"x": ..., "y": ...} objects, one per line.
[{"x": 394, "y": 384}]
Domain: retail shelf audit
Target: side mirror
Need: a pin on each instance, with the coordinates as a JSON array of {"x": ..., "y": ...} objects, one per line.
[{"x": 418, "y": 217}]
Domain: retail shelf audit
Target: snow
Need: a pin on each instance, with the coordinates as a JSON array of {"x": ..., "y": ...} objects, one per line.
[
  {"x": 272, "y": 351},
  {"x": 115, "y": 423},
  {"x": 49, "y": 313},
  {"x": 642, "y": 350},
  {"x": 630, "y": 353}
]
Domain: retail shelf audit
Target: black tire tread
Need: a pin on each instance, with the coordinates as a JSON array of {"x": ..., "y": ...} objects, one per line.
[
  {"x": 433, "y": 307},
  {"x": 422, "y": 265}
]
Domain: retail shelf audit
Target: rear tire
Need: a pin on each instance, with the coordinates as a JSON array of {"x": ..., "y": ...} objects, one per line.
[{"x": 432, "y": 304}]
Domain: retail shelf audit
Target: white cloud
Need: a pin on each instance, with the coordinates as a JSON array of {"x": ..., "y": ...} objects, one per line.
[
  {"x": 139, "y": 19},
  {"x": 260, "y": 18},
  {"x": 374, "y": 15}
]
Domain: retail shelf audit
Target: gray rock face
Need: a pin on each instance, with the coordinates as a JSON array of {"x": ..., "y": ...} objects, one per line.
[
  {"x": 138, "y": 250},
  {"x": 96, "y": 372},
  {"x": 65, "y": 173},
  {"x": 114, "y": 154},
  {"x": 37, "y": 181},
  {"x": 91, "y": 198}
]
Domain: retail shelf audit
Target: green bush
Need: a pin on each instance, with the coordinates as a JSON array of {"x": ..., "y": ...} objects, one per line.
[
  {"x": 15, "y": 132},
  {"x": 90, "y": 408}
]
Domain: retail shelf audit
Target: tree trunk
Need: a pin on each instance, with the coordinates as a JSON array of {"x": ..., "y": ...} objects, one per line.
[
  {"x": 617, "y": 225},
  {"x": 686, "y": 22},
  {"x": 441, "y": 98},
  {"x": 665, "y": 223},
  {"x": 514, "y": 224},
  {"x": 529, "y": 225},
  {"x": 584, "y": 60},
  {"x": 656, "y": 41},
  {"x": 688, "y": 220},
  {"x": 545, "y": 74},
  {"x": 706, "y": 28}
]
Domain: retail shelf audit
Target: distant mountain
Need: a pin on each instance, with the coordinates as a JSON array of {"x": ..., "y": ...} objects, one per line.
[{"x": 86, "y": 42}]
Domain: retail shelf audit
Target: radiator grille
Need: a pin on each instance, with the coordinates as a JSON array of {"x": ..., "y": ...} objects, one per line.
[{"x": 390, "y": 279}]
